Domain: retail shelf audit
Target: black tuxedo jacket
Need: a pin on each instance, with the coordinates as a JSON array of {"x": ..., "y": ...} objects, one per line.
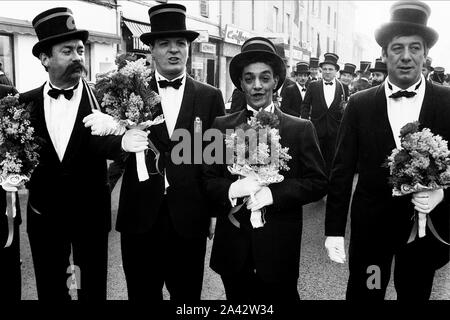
[
  {"x": 365, "y": 138},
  {"x": 72, "y": 192},
  {"x": 291, "y": 100},
  {"x": 287, "y": 82},
  {"x": 276, "y": 246},
  {"x": 326, "y": 120},
  {"x": 140, "y": 202}
]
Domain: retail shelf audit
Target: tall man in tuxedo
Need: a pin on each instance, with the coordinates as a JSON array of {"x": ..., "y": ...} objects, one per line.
[
  {"x": 294, "y": 94},
  {"x": 381, "y": 223},
  {"x": 164, "y": 220},
  {"x": 323, "y": 106},
  {"x": 263, "y": 263},
  {"x": 10, "y": 276},
  {"x": 69, "y": 202}
]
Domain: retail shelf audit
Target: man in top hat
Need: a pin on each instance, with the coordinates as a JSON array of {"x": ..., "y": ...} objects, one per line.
[
  {"x": 10, "y": 276},
  {"x": 262, "y": 264},
  {"x": 438, "y": 75},
  {"x": 164, "y": 221},
  {"x": 323, "y": 106},
  {"x": 69, "y": 204},
  {"x": 427, "y": 68},
  {"x": 346, "y": 77},
  {"x": 380, "y": 223},
  {"x": 379, "y": 72},
  {"x": 314, "y": 69},
  {"x": 362, "y": 81},
  {"x": 294, "y": 94}
]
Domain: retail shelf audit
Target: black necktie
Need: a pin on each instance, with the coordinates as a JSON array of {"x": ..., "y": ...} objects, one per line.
[
  {"x": 402, "y": 93},
  {"x": 328, "y": 83},
  {"x": 174, "y": 84},
  {"x": 54, "y": 93}
]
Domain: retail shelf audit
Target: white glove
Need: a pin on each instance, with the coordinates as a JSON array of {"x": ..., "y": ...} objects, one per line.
[
  {"x": 102, "y": 124},
  {"x": 425, "y": 201},
  {"x": 134, "y": 140},
  {"x": 336, "y": 249},
  {"x": 244, "y": 188},
  {"x": 212, "y": 227},
  {"x": 261, "y": 199}
]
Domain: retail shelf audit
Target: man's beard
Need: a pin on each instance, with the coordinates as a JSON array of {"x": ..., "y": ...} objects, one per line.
[{"x": 376, "y": 83}]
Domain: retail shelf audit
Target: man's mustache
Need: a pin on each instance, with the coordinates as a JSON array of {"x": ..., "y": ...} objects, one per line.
[{"x": 74, "y": 67}]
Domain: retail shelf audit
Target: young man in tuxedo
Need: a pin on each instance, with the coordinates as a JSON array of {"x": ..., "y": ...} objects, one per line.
[
  {"x": 380, "y": 223},
  {"x": 164, "y": 221},
  {"x": 10, "y": 275},
  {"x": 69, "y": 204},
  {"x": 323, "y": 106},
  {"x": 293, "y": 95},
  {"x": 262, "y": 264},
  {"x": 346, "y": 77}
]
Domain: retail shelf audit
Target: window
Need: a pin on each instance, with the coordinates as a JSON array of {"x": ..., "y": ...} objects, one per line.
[
  {"x": 275, "y": 26},
  {"x": 233, "y": 12},
  {"x": 204, "y": 8},
  {"x": 329, "y": 16},
  {"x": 287, "y": 24},
  {"x": 302, "y": 3},
  {"x": 6, "y": 56},
  {"x": 328, "y": 44},
  {"x": 334, "y": 46},
  {"x": 301, "y": 31},
  {"x": 87, "y": 61},
  {"x": 335, "y": 20}
]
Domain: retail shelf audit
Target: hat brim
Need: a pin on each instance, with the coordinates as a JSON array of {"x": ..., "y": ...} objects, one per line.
[
  {"x": 344, "y": 71},
  {"x": 328, "y": 62},
  {"x": 303, "y": 72},
  {"x": 242, "y": 59},
  {"x": 39, "y": 47},
  {"x": 378, "y": 70},
  {"x": 389, "y": 30},
  {"x": 149, "y": 37}
]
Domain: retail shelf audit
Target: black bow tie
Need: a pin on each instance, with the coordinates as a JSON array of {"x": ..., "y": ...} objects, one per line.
[
  {"x": 250, "y": 114},
  {"x": 303, "y": 89},
  {"x": 328, "y": 83},
  {"x": 174, "y": 84},
  {"x": 402, "y": 93},
  {"x": 68, "y": 93}
]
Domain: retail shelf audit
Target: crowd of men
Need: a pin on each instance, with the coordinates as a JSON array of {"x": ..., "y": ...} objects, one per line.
[{"x": 334, "y": 128}]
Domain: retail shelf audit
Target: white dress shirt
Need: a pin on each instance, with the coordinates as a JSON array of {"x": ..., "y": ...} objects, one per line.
[
  {"x": 60, "y": 115},
  {"x": 171, "y": 99},
  {"x": 329, "y": 92},
  {"x": 403, "y": 110},
  {"x": 300, "y": 88}
]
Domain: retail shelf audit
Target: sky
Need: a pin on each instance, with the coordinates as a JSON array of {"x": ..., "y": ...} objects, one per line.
[{"x": 371, "y": 14}]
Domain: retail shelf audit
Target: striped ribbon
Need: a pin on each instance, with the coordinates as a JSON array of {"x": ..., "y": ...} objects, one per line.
[{"x": 10, "y": 213}]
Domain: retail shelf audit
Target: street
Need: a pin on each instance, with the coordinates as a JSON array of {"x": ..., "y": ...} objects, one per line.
[{"x": 320, "y": 279}]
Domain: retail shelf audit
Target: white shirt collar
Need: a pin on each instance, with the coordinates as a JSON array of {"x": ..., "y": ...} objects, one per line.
[
  {"x": 161, "y": 77},
  {"x": 270, "y": 108},
  {"x": 51, "y": 85},
  {"x": 412, "y": 88}
]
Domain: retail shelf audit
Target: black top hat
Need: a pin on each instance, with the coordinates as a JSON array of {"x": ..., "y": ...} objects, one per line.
[
  {"x": 54, "y": 26},
  {"x": 349, "y": 68},
  {"x": 302, "y": 67},
  {"x": 313, "y": 62},
  {"x": 257, "y": 49},
  {"x": 364, "y": 66},
  {"x": 380, "y": 66},
  {"x": 330, "y": 58},
  {"x": 407, "y": 17},
  {"x": 439, "y": 70},
  {"x": 168, "y": 20}
]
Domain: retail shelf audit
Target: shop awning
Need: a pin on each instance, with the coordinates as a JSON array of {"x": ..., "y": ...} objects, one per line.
[{"x": 137, "y": 28}]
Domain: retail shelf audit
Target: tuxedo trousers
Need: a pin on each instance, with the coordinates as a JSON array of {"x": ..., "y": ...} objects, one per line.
[
  {"x": 328, "y": 148},
  {"x": 51, "y": 247},
  {"x": 370, "y": 266},
  {"x": 10, "y": 275},
  {"x": 163, "y": 256}
]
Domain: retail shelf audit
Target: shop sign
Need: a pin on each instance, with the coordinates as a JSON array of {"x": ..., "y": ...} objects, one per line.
[{"x": 208, "y": 48}]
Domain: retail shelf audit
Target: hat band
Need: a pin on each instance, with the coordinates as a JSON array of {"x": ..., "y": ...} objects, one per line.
[
  {"x": 257, "y": 45},
  {"x": 51, "y": 16},
  {"x": 163, "y": 10}
]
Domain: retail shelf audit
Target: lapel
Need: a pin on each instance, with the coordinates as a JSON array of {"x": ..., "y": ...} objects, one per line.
[
  {"x": 322, "y": 94},
  {"x": 384, "y": 136},
  {"x": 78, "y": 131},
  {"x": 299, "y": 94},
  {"x": 40, "y": 124},
  {"x": 337, "y": 94},
  {"x": 185, "y": 116},
  {"x": 159, "y": 133},
  {"x": 426, "y": 115}
]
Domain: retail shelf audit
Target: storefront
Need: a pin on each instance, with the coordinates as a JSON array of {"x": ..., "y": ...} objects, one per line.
[
  {"x": 204, "y": 63},
  {"x": 131, "y": 31}
]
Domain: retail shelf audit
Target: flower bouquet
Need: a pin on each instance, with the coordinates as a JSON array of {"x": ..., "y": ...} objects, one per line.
[
  {"x": 260, "y": 155},
  {"x": 18, "y": 152},
  {"x": 126, "y": 96},
  {"x": 421, "y": 164}
]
